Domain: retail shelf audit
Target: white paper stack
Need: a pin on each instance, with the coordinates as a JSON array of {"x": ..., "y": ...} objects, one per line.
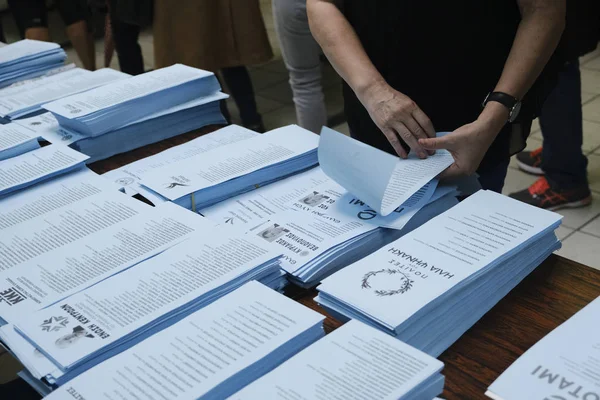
[
  {"x": 353, "y": 362},
  {"x": 211, "y": 354},
  {"x": 430, "y": 286},
  {"x": 150, "y": 296},
  {"x": 206, "y": 179},
  {"x": 125, "y": 101},
  {"x": 16, "y": 140},
  {"x": 20, "y": 101},
  {"x": 563, "y": 365},
  {"x": 27, "y": 59}
]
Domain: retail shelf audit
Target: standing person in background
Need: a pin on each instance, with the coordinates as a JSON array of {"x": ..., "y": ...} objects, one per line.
[
  {"x": 301, "y": 54},
  {"x": 32, "y": 20},
  {"x": 125, "y": 21},
  {"x": 225, "y": 35},
  {"x": 561, "y": 160},
  {"x": 412, "y": 65}
]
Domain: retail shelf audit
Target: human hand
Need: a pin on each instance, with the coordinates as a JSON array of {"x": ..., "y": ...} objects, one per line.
[
  {"x": 469, "y": 143},
  {"x": 397, "y": 116}
]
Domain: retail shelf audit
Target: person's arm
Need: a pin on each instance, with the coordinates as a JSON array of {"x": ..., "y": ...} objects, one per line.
[
  {"x": 395, "y": 114},
  {"x": 538, "y": 34}
]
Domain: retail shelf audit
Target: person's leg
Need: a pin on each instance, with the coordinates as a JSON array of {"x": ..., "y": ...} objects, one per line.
[
  {"x": 239, "y": 84},
  {"x": 75, "y": 14},
  {"x": 125, "y": 37},
  {"x": 31, "y": 18},
  {"x": 492, "y": 178},
  {"x": 561, "y": 121},
  {"x": 301, "y": 55}
]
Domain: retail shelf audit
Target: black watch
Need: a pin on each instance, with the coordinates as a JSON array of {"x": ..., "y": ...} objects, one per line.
[{"x": 513, "y": 104}]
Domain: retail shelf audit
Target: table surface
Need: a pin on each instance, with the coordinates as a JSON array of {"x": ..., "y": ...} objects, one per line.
[{"x": 555, "y": 291}]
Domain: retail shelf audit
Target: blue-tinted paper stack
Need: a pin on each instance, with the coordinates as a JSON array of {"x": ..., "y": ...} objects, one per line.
[
  {"x": 27, "y": 59},
  {"x": 120, "y": 103}
]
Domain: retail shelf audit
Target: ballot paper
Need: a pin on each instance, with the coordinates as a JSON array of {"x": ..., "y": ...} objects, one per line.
[
  {"x": 119, "y": 103},
  {"x": 30, "y": 99},
  {"x": 129, "y": 176},
  {"x": 16, "y": 140},
  {"x": 224, "y": 172},
  {"x": 251, "y": 209},
  {"x": 563, "y": 365},
  {"x": 135, "y": 304},
  {"x": 28, "y": 59},
  {"x": 379, "y": 179},
  {"x": 432, "y": 284},
  {"x": 36, "y": 166},
  {"x": 210, "y": 354},
  {"x": 34, "y": 82},
  {"x": 353, "y": 362},
  {"x": 63, "y": 271}
]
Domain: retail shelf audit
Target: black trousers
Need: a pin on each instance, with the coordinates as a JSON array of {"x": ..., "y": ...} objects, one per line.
[
  {"x": 33, "y": 13},
  {"x": 126, "y": 38}
]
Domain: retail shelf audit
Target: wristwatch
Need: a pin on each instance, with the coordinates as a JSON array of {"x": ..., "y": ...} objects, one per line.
[{"x": 513, "y": 104}]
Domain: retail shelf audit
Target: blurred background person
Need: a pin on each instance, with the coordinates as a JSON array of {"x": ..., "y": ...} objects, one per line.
[
  {"x": 301, "y": 54},
  {"x": 561, "y": 161},
  {"x": 224, "y": 35},
  {"x": 31, "y": 17}
]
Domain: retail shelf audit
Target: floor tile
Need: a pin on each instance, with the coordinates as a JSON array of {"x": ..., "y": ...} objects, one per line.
[
  {"x": 582, "y": 248},
  {"x": 594, "y": 171},
  {"x": 279, "y": 92},
  {"x": 275, "y": 65},
  {"x": 593, "y": 227},
  {"x": 575, "y": 218},
  {"x": 591, "y": 111},
  {"x": 590, "y": 56},
  {"x": 535, "y": 126},
  {"x": 590, "y": 80},
  {"x": 278, "y": 118},
  {"x": 532, "y": 144},
  {"x": 263, "y": 78},
  {"x": 563, "y": 232},
  {"x": 594, "y": 63},
  {"x": 343, "y": 128},
  {"x": 517, "y": 180},
  {"x": 587, "y": 96}
]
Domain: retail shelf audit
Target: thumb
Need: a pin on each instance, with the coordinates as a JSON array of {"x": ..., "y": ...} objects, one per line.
[
  {"x": 437, "y": 143},
  {"x": 451, "y": 172}
]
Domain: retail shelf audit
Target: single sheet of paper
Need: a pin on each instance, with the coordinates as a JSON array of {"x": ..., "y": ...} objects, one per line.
[{"x": 381, "y": 180}]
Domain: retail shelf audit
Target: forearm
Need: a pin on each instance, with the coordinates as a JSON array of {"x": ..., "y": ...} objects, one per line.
[
  {"x": 341, "y": 46},
  {"x": 536, "y": 39}
]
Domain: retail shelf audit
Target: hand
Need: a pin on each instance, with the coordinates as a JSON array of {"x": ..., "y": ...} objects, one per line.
[
  {"x": 397, "y": 116},
  {"x": 469, "y": 143}
]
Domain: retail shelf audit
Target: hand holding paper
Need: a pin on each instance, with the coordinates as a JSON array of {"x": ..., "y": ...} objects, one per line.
[{"x": 381, "y": 180}]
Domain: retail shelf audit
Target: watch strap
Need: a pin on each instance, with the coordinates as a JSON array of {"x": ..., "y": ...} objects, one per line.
[{"x": 506, "y": 99}]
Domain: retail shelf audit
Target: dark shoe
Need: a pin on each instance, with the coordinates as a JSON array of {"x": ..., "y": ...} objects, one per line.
[
  {"x": 541, "y": 195},
  {"x": 531, "y": 161}
]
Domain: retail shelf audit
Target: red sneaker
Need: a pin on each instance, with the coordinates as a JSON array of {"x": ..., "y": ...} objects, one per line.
[
  {"x": 541, "y": 195},
  {"x": 531, "y": 161}
]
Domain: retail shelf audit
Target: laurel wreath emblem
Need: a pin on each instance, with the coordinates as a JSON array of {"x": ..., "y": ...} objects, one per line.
[{"x": 407, "y": 283}]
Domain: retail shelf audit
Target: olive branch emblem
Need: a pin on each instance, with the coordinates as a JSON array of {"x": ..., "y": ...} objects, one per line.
[{"x": 407, "y": 283}]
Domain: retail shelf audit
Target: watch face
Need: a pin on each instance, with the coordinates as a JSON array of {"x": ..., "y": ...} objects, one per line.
[{"x": 514, "y": 113}]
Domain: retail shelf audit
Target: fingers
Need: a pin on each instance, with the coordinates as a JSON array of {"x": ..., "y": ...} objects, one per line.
[
  {"x": 424, "y": 121},
  {"x": 392, "y": 137},
  {"x": 451, "y": 172},
  {"x": 409, "y": 137},
  {"x": 437, "y": 143}
]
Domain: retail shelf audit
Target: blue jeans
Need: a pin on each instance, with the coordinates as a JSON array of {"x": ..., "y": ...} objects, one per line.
[{"x": 563, "y": 161}]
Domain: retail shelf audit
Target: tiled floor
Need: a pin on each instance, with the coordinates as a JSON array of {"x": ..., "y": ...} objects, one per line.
[{"x": 581, "y": 227}]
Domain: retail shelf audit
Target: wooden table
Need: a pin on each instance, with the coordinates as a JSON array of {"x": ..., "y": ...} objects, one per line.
[{"x": 549, "y": 296}]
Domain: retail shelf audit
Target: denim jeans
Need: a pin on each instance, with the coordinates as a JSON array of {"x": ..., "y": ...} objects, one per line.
[
  {"x": 563, "y": 161},
  {"x": 301, "y": 56}
]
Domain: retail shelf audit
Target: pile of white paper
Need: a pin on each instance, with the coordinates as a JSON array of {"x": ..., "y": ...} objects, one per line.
[
  {"x": 149, "y": 297},
  {"x": 563, "y": 365},
  {"x": 211, "y": 354},
  {"x": 16, "y": 140},
  {"x": 16, "y": 102},
  {"x": 36, "y": 166},
  {"x": 205, "y": 179},
  {"x": 430, "y": 286},
  {"x": 159, "y": 126},
  {"x": 126, "y": 101},
  {"x": 27, "y": 59},
  {"x": 353, "y": 362}
]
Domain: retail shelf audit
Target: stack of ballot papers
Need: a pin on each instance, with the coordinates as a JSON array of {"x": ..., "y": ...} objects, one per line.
[
  {"x": 431, "y": 285},
  {"x": 16, "y": 140},
  {"x": 210, "y": 354},
  {"x": 353, "y": 362},
  {"x": 563, "y": 365},
  {"x": 153, "y": 128},
  {"x": 125, "y": 101},
  {"x": 27, "y": 59},
  {"x": 21, "y": 100},
  {"x": 135, "y": 304},
  {"x": 36, "y": 166},
  {"x": 206, "y": 179}
]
